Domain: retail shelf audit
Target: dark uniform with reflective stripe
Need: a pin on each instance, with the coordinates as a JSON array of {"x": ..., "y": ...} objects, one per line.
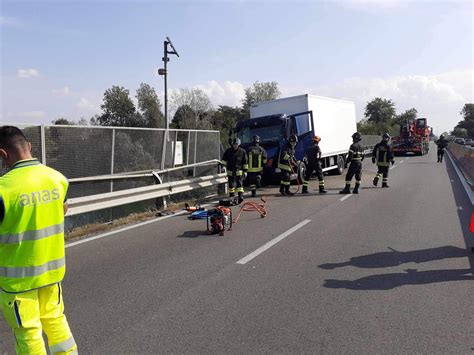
[
  {"x": 257, "y": 159},
  {"x": 236, "y": 164},
  {"x": 287, "y": 157},
  {"x": 355, "y": 157},
  {"x": 442, "y": 144},
  {"x": 313, "y": 156},
  {"x": 383, "y": 156}
]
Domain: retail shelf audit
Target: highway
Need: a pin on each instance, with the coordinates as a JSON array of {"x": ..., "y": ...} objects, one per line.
[{"x": 386, "y": 271}]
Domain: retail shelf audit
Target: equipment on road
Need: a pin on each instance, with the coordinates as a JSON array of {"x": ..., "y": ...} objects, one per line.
[
  {"x": 219, "y": 220},
  {"x": 414, "y": 138},
  {"x": 253, "y": 207}
]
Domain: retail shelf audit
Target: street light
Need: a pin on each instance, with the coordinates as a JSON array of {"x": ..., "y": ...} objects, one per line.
[{"x": 164, "y": 72}]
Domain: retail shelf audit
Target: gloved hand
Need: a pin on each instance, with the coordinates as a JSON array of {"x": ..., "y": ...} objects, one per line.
[
  {"x": 393, "y": 162},
  {"x": 373, "y": 160},
  {"x": 245, "y": 175}
]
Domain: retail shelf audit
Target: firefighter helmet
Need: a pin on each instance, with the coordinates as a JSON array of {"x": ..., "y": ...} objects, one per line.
[
  {"x": 236, "y": 141},
  {"x": 256, "y": 139},
  {"x": 316, "y": 139},
  {"x": 293, "y": 139},
  {"x": 356, "y": 137}
]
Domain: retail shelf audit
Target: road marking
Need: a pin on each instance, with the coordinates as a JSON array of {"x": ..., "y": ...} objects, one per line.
[
  {"x": 345, "y": 197},
  {"x": 460, "y": 208},
  {"x": 272, "y": 242},
  {"x": 68, "y": 245},
  {"x": 408, "y": 158},
  {"x": 401, "y": 161},
  {"x": 393, "y": 167}
]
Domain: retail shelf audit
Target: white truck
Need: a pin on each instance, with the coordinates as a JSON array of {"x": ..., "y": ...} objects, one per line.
[{"x": 304, "y": 116}]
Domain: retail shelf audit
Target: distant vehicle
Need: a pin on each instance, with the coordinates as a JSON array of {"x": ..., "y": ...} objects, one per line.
[
  {"x": 304, "y": 116},
  {"x": 469, "y": 142},
  {"x": 414, "y": 138},
  {"x": 459, "y": 141}
]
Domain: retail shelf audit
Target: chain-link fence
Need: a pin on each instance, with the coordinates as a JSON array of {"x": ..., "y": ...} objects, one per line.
[{"x": 92, "y": 151}]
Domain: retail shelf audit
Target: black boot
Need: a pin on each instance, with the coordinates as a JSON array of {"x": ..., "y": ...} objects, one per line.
[
  {"x": 304, "y": 190},
  {"x": 375, "y": 181},
  {"x": 232, "y": 194},
  {"x": 346, "y": 190},
  {"x": 241, "y": 197},
  {"x": 356, "y": 189},
  {"x": 384, "y": 184},
  {"x": 321, "y": 190},
  {"x": 287, "y": 190},
  {"x": 254, "y": 193},
  {"x": 282, "y": 190}
]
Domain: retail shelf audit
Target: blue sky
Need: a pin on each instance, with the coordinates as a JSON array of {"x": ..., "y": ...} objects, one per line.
[{"x": 58, "y": 57}]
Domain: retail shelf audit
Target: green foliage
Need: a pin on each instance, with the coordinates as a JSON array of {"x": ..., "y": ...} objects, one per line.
[
  {"x": 150, "y": 106},
  {"x": 468, "y": 123},
  {"x": 224, "y": 119},
  {"x": 193, "y": 109},
  {"x": 259, "y": 92},
  {"x": 119, "y": 109},
  {"x": 380, "y": 111},
  {"x": 62, "y": 121},
  {"x": 408, "y": 115},
  {"x": 460, "y": 132}
]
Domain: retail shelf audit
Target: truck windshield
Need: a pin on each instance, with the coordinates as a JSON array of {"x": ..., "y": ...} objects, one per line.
[{"x": 265, "y": 133}]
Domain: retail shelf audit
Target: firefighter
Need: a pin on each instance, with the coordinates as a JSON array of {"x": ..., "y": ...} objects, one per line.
[
  {"x": 442, "y": 143},
  {"x": 257, "y": 159},
  {"x": 355, "y": 158},
  {"x": 236, "y": 163},
  {"x": 382, "y": 155},
  {"x": 32, "y": 255},
  {"x": 287, "y": 164},
  {"x": 313, "y": 163}
]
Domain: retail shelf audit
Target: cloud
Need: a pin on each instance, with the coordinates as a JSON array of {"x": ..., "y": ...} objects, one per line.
[
  {"x": 372, "y": 5},
  {"x": 438, "y": 97},
  {"x": 61, "y": 92},
  {"x": 27, "y": 73},
  {"x": 31, "y": 115},
  {"x": 9, "y": 22},
  {"x": 229, "y": 93},
  {"x": 88, "y": 106}
]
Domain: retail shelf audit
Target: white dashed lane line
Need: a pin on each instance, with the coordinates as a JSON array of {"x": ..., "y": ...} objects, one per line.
[{"x": 345, "y": 197}]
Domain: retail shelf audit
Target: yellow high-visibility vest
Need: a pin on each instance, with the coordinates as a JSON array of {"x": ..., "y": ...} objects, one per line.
[{"x": 32, "y": 230}]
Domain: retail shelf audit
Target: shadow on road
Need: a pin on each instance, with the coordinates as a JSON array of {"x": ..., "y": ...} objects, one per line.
[
  {"x": 409, "y": 277},
  {"x": 196, "y": 234},
  {"x": 395, "y": 258}
]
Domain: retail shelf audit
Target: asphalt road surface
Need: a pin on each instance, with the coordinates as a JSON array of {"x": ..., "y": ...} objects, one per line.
[{"x": 386, "y": 271}]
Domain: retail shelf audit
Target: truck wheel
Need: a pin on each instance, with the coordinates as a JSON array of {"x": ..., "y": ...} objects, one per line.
[{"x": 340, "y": 166}]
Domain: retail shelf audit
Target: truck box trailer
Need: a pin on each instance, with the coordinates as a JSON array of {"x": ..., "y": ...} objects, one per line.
[{"x": 305, "y": 116}]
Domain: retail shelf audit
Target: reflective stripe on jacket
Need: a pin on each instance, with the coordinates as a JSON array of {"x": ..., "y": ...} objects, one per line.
[
  {"x": 257, "y": 158},
  {"x": 32, "y": 229}
]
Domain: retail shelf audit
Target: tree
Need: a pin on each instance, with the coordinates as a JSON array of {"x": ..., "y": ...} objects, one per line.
[
  {"x": 193, "y": 109},
  {"x": 62, "y": 121},
  {"x": 150, "y": 106},
  {"x": 119, "y": 109},
  {"x": 259, "y": 92},
  {"x": 459, "y": 132},
  {"x": 224, "y": 119},
  {"x": 408, "y": 115},
  {"x": 468, "y": 123},
  {"x": 380, "y": 110}
]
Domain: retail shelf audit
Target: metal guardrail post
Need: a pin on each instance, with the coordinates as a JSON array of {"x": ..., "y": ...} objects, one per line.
[
  {"x": 43, "y": 144},
  {"x": 187, "y": 147},
  {"x": 195, "y": 151},
  {"x": 112, "y": 157}
]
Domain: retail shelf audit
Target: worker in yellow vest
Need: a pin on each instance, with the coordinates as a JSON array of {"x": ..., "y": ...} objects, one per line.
[{"x": 32, "y": 255}]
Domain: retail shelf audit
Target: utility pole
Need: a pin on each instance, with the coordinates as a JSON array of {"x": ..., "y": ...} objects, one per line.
[{"x": 164, "y": 73}]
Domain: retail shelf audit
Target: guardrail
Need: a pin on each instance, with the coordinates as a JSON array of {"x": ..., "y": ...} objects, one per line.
[
  {"x": 112, "y": 199},
  {"x": 464, "y": 156}
]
